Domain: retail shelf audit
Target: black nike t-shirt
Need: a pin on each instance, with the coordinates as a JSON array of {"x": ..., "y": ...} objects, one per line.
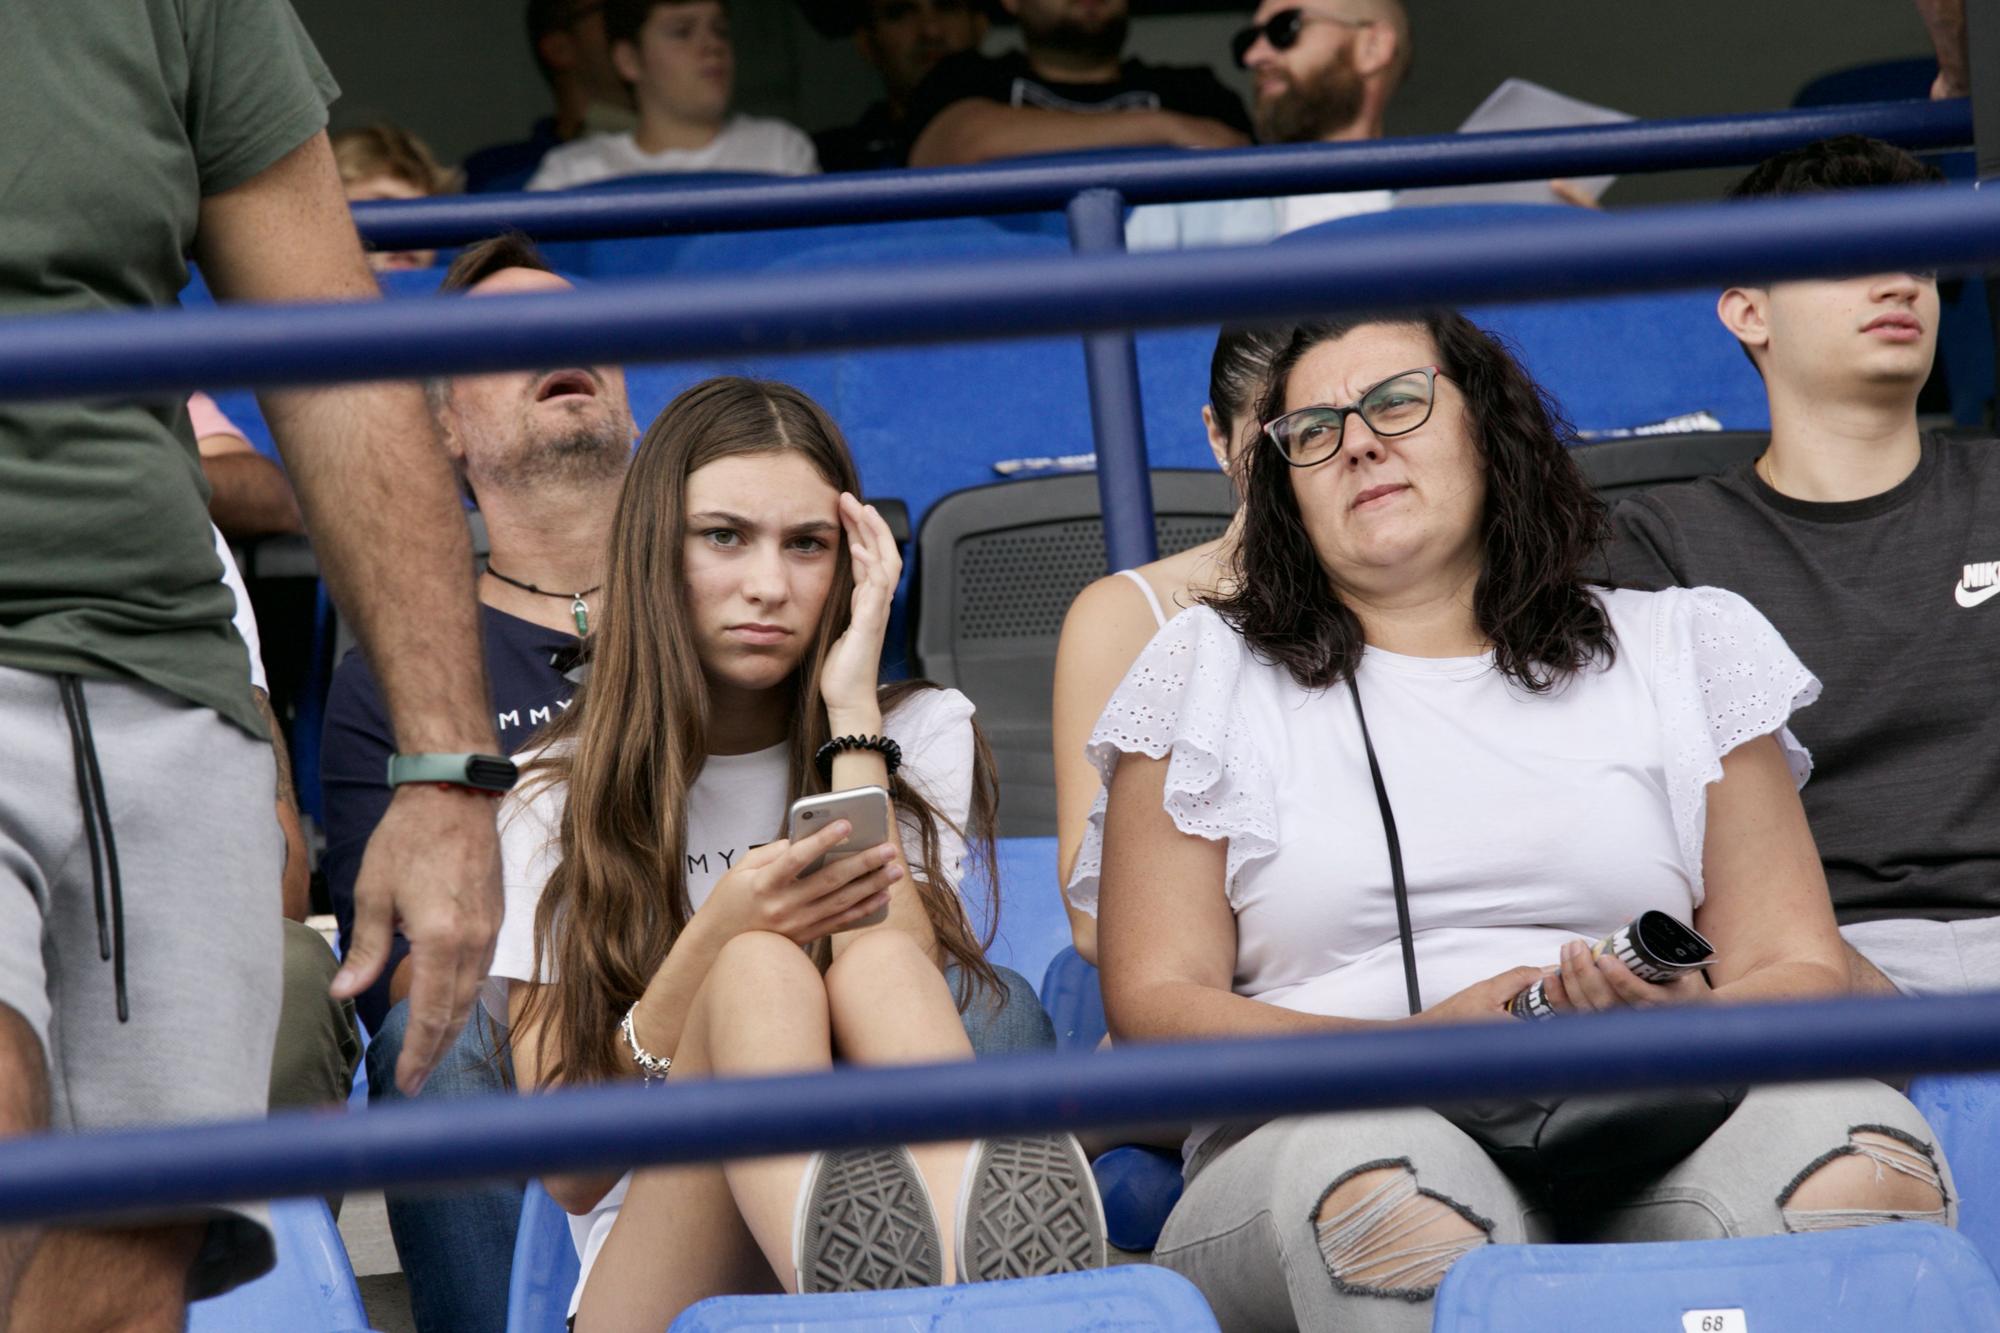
[
  {"x": 1011, "y": 81},
  {"x": 1894, "y": 603},
  {"x": 527, "y": 668}
]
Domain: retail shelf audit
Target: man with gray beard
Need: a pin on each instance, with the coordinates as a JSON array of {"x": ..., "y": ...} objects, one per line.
[{"x": 542, "y": 454}]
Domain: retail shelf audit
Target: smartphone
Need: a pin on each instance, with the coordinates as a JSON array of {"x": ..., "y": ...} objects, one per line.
[{"x": 866, "y": 809}]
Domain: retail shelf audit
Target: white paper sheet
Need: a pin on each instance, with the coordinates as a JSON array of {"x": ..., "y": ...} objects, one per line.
[{"x": 1519, "y": 104}]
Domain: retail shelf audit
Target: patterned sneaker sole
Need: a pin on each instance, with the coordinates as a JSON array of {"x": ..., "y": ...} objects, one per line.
[
  {"x": 1030, "y": 1208},
  {"x": 869, "y": 1224}
]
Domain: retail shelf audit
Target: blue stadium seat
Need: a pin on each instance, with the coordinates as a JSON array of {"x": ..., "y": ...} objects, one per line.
[
  {"x": 1139, "y": 1186},
  {"x": 545, "y": 1267},
  {"x": 1907, "y": 1276},
  {"x": 1074, "y": 1001},
  {"x": 1877, "y": 81},
  {"x": 1964, "y": 1110},
  {"x": 1033, "y": 926},
  {"x": 310, "y": 1291},
  {"x": 1611, "y": 362},
  {"x": 1126, "y": 1299}
]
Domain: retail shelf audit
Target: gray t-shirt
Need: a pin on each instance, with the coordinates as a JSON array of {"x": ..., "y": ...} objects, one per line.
[
  {"x": 1894, "y": 603},
  {"x": 121, "y": 116}
]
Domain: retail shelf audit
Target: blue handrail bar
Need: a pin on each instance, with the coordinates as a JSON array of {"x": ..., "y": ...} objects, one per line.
[
  {"x": 55, "y": 1178},
  {"x": 1558, "y": 256},
  {"x": 1168, "y": 176}
]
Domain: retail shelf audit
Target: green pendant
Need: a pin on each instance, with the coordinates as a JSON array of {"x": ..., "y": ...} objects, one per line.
[{"x": 581, "y": 610}]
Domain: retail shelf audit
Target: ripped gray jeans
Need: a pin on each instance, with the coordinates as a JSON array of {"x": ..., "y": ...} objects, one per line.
[{"x": 1350, "y": 1221}]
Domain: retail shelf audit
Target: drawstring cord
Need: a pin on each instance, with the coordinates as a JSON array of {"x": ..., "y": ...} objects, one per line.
[{"x": 97, "y": 833}]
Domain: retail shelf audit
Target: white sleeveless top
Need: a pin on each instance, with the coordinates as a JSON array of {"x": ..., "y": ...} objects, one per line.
[
  {"x": 1152, "y": 598},
  {"x": 1526, "y": 820}
]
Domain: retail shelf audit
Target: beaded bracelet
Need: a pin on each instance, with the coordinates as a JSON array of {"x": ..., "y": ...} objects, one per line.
[{"x": 652, "y": 1068}]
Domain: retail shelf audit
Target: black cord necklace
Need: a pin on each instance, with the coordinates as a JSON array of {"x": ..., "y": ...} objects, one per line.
[{"x": 577, "y": 606}]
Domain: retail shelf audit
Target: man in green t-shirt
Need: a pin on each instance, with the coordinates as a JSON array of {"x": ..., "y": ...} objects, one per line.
[{"x": 139, "y": 861}]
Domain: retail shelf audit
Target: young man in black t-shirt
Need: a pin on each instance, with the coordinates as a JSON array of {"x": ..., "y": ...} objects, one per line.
[
  {"x": 1875, "y": 550},
  {"x": 1067, "y": 90}
]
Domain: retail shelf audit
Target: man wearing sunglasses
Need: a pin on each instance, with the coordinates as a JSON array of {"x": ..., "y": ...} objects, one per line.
[
  {"x": 1066, "y": 91},
  {"x": 1874, "y": 547},
  {"x": 1323, "y": 71}
]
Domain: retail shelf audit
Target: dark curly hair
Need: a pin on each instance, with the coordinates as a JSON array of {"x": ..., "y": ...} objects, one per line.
[{"x": 1541, "y": 524}]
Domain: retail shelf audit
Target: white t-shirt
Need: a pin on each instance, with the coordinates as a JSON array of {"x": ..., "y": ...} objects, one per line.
[
  {"x": 1243, "y": 221},
  {"x": 736, "y": 803},
  {"x": 1525, "y": 820},
  {"x": 245, "y": 618},
  {"x": 744, "y": 143}
]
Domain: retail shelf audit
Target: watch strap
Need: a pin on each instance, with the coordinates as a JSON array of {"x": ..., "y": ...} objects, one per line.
[{"x": 482, "y": 772}]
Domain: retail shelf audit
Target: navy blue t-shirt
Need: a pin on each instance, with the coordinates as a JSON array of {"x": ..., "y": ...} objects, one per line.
[{"x": 523, "y": 666}]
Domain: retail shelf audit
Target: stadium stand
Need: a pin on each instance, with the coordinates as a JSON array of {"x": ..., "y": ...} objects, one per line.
[{"x": 1960, "y": 1286}]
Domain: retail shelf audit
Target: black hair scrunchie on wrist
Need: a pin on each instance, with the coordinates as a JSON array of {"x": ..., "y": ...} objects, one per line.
[{"x": 892, "y": 753}]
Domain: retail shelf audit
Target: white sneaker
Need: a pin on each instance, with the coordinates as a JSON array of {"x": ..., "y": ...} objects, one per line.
[
  {"x": 1028, "y": 1208},
  {"x": 866, "y": 1222}
]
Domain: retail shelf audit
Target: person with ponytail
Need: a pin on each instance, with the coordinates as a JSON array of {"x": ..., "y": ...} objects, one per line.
[{"x": 660, "y": 927}]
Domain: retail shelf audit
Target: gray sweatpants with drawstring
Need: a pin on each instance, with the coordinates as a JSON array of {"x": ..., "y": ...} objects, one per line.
[{"x": 190, "y": 799}]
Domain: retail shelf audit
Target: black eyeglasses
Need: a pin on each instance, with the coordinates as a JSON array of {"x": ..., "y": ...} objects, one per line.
[
  {"x": 1395, "y": 406},
  {"x": 1282, "y": 30}
]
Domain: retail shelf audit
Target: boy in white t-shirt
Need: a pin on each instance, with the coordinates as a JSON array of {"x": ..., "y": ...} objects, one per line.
[{"x": 676, "y": 56}]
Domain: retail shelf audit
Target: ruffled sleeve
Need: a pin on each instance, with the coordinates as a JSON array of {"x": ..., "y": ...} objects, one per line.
[
  {"x": 1724, "y": 676},
  {"x": 1182, "y": 698}
]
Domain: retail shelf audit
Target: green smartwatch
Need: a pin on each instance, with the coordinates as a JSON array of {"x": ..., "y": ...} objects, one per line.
[{"x": 490, "y": 773}]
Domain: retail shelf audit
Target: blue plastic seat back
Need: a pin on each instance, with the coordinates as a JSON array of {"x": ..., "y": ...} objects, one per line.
[
  {"x": 311, "y": 1290},
  {"x": 1905, "y": 1276},
  {"x": 1130, "y": 1298},
  {"x": 1173, "y": 386},
  {"x": 1610, "y": 362},
  {"x": 1071, "y": 994},
  {"x": 1964, "y": 1110},
  {"x": 1876, "y": 81},
  {"x": 545, "y": 1266},
  {"x": 1139, "y": 1186},
  {"x": 1033, "y": 928}
]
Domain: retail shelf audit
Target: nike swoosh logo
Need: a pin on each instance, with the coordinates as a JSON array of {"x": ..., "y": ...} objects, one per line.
[{"x": 1966, "y": 597}]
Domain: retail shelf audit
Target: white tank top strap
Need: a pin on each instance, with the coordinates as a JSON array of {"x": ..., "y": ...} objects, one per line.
[{"x": 1152, "y": 598}]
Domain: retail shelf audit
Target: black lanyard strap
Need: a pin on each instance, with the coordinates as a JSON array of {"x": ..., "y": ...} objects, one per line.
[{"x": 1395, "y": 857}]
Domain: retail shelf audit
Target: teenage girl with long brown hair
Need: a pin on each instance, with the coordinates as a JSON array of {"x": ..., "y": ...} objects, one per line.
[{"x": 656, "y": 916}]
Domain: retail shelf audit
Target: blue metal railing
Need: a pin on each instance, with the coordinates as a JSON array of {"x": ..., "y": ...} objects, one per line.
[
  {"x": 1564, "y": 255},
  {"x": 1168, "y": 176},
  {"x": 1159, "y": 177},
  {"x": 417, "y": 1144}
]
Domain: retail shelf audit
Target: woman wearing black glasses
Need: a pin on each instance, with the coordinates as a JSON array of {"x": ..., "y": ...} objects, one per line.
[{"x": 1554, "y": 761}]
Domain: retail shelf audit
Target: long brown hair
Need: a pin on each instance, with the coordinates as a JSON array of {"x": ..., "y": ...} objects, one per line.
[
  {"x": 630, "y": 747},
  {"x": 1541, "y": 526}
]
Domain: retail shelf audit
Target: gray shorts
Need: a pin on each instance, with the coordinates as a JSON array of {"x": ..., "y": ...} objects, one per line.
[
  {"x": 1931, "y": 957},
  {"x": 190, "y": 799}
]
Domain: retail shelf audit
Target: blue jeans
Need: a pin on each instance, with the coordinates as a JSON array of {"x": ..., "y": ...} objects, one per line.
[
  {"x": 457, "y": 1247},
  {"x": 1016, "y": 1023}
]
